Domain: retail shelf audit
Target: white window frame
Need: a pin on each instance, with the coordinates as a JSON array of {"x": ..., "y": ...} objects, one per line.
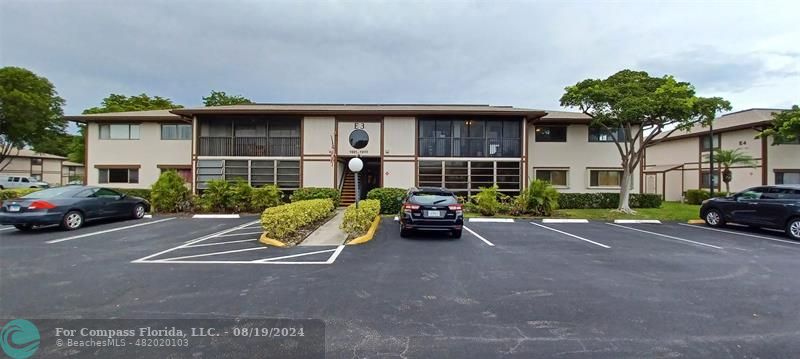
[
  {"x": 130, "y": 131},
  {"x": 177, "y": 131},
  {"x": 589, "y": 178},
  {"x": 565, "y": 169}
]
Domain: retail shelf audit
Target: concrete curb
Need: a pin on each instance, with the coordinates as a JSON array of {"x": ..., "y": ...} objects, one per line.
[
  {"x": 271, "y": 242},
  {"x": 370, "y": 233},
  {"x": 634, "y": 221},
  {"x": 696, "y": 221}
]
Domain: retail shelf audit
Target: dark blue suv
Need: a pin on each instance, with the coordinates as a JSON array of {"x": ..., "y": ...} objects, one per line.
[
  {"x": 765, "y": 206},
  {"x": 431, "y": 209}
]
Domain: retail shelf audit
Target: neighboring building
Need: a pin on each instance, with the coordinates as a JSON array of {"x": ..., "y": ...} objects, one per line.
[
  {"x": 41, "y": 166},
  {"x": 71, "y": 172},
  {"x": 462, "y": 147},
  {"x": 678, "y": 163}
]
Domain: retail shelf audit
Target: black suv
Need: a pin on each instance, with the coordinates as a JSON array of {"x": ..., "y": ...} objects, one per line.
[
  {"x": 765, "y": 206},
  {"x": 431, "y": 209}
]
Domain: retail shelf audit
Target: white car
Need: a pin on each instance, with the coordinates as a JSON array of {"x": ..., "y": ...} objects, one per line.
[{"x": 7, "y": 182}]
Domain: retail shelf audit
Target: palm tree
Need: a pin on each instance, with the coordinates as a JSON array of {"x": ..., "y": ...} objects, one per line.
[{"x": 728, "y": 159}]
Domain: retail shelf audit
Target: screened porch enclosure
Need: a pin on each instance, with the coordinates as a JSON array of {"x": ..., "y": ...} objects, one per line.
[
  {"x": 470, "y": 137},
  {"x": 254, "y": 136}
]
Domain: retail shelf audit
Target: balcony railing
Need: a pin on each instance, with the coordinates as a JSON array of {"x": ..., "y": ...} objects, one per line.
[
  {"x": 249, "y": 146},
  {"x": 469, "y": 147}
]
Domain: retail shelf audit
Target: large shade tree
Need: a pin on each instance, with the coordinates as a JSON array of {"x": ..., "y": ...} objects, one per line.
[
  {"x": 785, "y": 126},
  {"x": 30, "y": 111},
  {"x": 220, "y": 98},
  {"x": 646, "y": 108}
]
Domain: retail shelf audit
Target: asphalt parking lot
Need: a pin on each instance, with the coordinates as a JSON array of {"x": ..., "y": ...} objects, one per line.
[{"x": 518, "y": 289}]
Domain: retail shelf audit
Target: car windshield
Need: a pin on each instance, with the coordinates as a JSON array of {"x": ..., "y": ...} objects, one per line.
[
  {"x": 433, "y": 198},
  {"x": 51, "y": 193}
]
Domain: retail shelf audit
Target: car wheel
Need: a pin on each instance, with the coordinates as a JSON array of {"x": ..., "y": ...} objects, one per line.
[
  {"x": 793, "y": 228},
  {"x": 456, "y": 234},
  {"x": 714, "y": 218},
  {"x": 72, "y": 220},
  {"x": 138, "y": 211},
  {"x": 23, "y": 227},
  {"x": 403, "y": 232}
]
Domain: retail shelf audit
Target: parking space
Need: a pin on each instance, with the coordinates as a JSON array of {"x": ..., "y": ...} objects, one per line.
[{"x": 535, "y": 289}]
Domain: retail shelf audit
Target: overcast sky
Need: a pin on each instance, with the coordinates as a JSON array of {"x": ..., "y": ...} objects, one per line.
[{"x": 500, "y": 52}]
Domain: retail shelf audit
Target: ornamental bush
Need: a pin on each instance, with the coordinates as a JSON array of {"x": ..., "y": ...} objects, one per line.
[
  {"x": 357, "y": 221},
  {"x": 486, "y": 201},
  {"x": 391, "y": 198},
  {"x": 265, "y": 197},
  {"x": 697, "y": 196},
  {"x": 241, "y": 196},
  {"x": 281, "y": 222},
  {"x": 305, "y": 193},
  {"x": 169, "y": 193},
  {"x": 539, "y": 199},
  {"x": 217, "y": 196}
]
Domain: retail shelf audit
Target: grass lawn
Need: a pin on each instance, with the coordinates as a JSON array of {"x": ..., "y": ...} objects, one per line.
[{"x": 669, "y": 211}]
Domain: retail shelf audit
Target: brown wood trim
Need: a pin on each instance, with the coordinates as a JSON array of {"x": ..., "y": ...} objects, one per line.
[
  {"x": 86, "y": 154},
  {"x": 416, "y": 151},
  {"x": 195, "y": 133},
  {"x": 317, "y": 160},
  {"x": 391, "y": 156},
  {"x": 328, "y": 155},
  {"x": 401, "y": 161},
  {"x": 360, "y": 118},
  {"x": 786, "y": 170},
  {"x": 524, "y": 181},
  {"x": 302, "y": 148},
  {"x": 380, "y": 178},
  {"x": 131, "y": 166},
  {"x": 336, "y": 152},
  {"x": 642, "y": 163},
  {"x": 182, "y": 167},
  {"x": 764, "y": 161},
  {"x": 754, "y": 126},
  {"x": 663, "y": 185}
]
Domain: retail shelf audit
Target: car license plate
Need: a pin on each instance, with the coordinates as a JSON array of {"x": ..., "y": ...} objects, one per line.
[
  {"x": 13, "y": 208},
  {"x": 434, "y": 214}
]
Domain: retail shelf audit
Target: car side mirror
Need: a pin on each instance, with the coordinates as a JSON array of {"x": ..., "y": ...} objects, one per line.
[{"x": 122, "y": 196}]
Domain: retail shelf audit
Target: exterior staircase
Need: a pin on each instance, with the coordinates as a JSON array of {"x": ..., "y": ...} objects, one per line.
[{"x": 348, "y": 189}]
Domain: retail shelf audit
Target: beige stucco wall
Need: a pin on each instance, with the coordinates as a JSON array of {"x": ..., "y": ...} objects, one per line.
[
  {"x": 148, "y": 151},
  {"x": 317, "y": 135},
  {"x": 782, "y": 157},
  {"x": 399, "y": 136},
  {"x": 673, "y": 152},
  {"x": 578, "y": 154},
  {"x": 18, "y": 165},
  {"x": 398, "y": 174},
  {"x": 373, "y": 129},
  {"x": 50, "y": 169},
  {"x": 318, "y": 173}
]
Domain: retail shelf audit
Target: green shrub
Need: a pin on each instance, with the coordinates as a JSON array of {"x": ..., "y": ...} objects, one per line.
[
  {"x": 305, "y": 193},
  {"x": 217, "y": 197},
  {"x": 357, "y": 221},
  {"x": 697, "y": 196},
  {"x": 539, "y": 199},
  {"x": 282, "y": 222},
  {"x": 606, "y": 200},
  {"x": 136, "y": 192},
  {"x": 169, "y": 193},
  {"x": 391, "y": 199},
  {"x": 241, "y": 196},
  {"x": 486, "y": 201},
  {"x": 265, "y": 197},
  {"x": 16, "y": 193}
]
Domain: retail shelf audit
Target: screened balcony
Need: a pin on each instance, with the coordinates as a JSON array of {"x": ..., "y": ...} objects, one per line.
[
  {"x": 249, "y": 136},
  {"x": 467, "y": 137}
]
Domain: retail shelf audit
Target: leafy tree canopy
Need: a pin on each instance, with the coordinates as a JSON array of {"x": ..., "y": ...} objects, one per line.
[
  {"x": 30, "y": 110},
  {"x": 644, "y": 107},
  {"x": 220, "y": 98},
  {"x": 785, "y": 126},
  {"x": 122, "y": 103},
  {"x": 57, "y": 144}
]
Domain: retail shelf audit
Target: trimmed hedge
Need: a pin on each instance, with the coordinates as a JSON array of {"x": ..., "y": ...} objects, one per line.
[
  {"x": 265, "y": 197},
  {"x": 306, "y": 193},
  {"x": 391, "y": 198},
  {"x": 281, "y": 222},
  {"x": 16, "y": 192},
  {"x": 357, "y": 221},
  {"x": 697, "y": 196},
  {"x": 169, "y": 193},
  {"x": 606, "y": 200}
]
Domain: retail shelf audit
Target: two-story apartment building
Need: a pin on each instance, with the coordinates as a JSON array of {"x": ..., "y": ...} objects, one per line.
[
  {"x": 28, "y": 163},
  {"x": 461, "y": 147},
  {"x": 680, "y": 162}
]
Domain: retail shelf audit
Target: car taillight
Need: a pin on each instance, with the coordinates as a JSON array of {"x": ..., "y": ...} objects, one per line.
[
  {"x": 410, "y": 207},
  {"x": 41, "y": 205},
  {"x": 457, "y": 208}
]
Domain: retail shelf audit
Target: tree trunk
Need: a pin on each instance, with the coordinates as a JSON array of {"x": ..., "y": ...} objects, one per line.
[{"x": 624, "y": 191}]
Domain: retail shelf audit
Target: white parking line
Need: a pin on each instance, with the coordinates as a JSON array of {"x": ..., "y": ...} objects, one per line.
[
  {"x": 637, "y": 221},
  {"x": 198, "y": 240},
  {"x": 666, "y": 236},
  {"x": 479, "y": 236},
  {"x": 295, "y": 255},
  {"x": 215, "y": 216},
  {"x": 741, "y": 234},
  {"x": 564, "y": 220},
  {"x": 239, "y": 234},
  {"x": 107, "y": 231},
  {"x": 572, "y": 235},
  {"x": 492, "y": 220},
  {"x": 6, "y": 228},
  {"x": 214, "y": 253},
  {"x": 220, "y": 243}
]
